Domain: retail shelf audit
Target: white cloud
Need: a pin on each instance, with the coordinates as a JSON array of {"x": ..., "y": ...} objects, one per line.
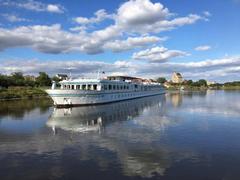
[
  {"x": 134, "y": 20},
  {"x": 143, "y": 16},
  {"x": 123, "y": 45},
  {"x": 215, "y": 69},
  {"x": 13, "y": 18},
  {"x": 54, "y": 8},
  {"x": 100, "y": 15},
  {"x": 81, "y": 20},
  {"x": 207, "y": 13},
  {"x": 34, "y": 6},
  {"x": 141, "y": 12},
  {"x": 203, "y": 48},
  {"x": 78, "y": 29},
  {"x": 158, "y": 54},
  {"x": 48, "y": 39}
]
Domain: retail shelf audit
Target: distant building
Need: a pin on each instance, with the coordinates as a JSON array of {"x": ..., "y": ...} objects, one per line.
[
  {"x": 167, "y": 84},
  {"x": 62, "y": 76},
  {"x": 177, "y": 78},
  {"x": 30, "y": 78}
]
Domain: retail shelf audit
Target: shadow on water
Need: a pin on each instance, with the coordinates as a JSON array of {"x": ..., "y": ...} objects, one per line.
[{"x": 18, "y": 108}]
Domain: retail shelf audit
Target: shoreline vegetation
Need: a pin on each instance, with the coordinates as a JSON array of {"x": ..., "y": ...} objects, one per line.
[
  {"x": 203, "y": 88},
  {"x": 14, "y": 93},
  {"x": 199, "y": 85},
  {"x": 17, "y": 86}
]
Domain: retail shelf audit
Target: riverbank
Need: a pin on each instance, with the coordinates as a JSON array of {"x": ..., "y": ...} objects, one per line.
[
  {"x": 202, "y": 88},
  {"x": 22, "y": 93},
  {"x": 12, "y": 93}
]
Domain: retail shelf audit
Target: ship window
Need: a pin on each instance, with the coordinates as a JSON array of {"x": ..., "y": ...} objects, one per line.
[
  {"x": 95, "y": 87},
  {"x": 105, "y": 87},
  {"x": 114, "y": 87},
  {"x": 89, "y": 87},
  {"x": 68, "y": 86},
  {"x": 78, "y": 87},
  {"x": 136, "y": 86},
  {"x": 117, "y": 87},
  {"x": 124, "y": 87},
  {"x": 84, "y": 87},
  {"x": 109, "y": 86},
  {"x": 64, "y": 87},
  {"x": 121, "y": 87}
]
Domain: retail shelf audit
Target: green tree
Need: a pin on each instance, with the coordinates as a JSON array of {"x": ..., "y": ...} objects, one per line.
[
  {"x": 202, "y": 82},
  {"x": 17, "y": 79},
  {"x": 189, "y": 82},
  {"x": 43, "y": 79},
  {"x": 161, "y": 80},
  {"x": 4, "y": 81}
]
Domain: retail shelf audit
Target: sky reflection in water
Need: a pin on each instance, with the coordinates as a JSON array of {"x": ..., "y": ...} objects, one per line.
[{"x": 192, "y": 135}]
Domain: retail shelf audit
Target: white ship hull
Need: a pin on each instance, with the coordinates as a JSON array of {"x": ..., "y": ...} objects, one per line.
[{"x": 78, "y": 97}]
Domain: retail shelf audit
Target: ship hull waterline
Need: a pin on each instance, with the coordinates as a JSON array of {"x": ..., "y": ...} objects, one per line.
[{"x": 71, "y": 98}]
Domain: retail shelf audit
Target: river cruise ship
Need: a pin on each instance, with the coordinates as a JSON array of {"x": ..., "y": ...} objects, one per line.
[{"x": 73, "y": 92}]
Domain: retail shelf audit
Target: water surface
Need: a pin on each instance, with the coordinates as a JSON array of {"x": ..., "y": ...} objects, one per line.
[{"x": 191, "y": 135}]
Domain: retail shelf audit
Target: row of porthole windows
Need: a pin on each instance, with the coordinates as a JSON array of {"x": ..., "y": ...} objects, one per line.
[
  {"x": 115, "y": 87},
  {"x": 107, "y": 87},
  {"x": 81, "y": 87}
]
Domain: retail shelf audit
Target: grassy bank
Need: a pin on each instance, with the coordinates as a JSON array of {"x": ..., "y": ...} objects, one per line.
[
  {"x": 231, "y": 88},
  {"x": 22, "y": 93}
]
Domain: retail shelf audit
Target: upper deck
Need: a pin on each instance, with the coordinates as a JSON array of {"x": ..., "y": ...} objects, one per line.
[{"x": 111, "y": 83}]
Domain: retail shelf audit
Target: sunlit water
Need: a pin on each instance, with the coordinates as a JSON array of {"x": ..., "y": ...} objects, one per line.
[{"x": 194, "y": 135}]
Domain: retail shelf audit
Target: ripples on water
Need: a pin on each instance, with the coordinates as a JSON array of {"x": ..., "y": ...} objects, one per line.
[{"x": 192, "y": 135}]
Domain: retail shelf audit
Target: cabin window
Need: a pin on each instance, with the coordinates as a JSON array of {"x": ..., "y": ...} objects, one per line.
[
  {"x": 105, "y": 87},
  {"x": 84, "y": 87},
  {"x": 95, "y": 87},
  {"x": 89, "y": 87},
  {"x": 68, "y": 86},
  {"x": 121, "y": 87},
  {"x": 136, "y": 86},
  {"x": 114, "y": 87},
  {"x": 117, "y": 87},
  {"x": 109, "y": 86},
  {"x": 124, "y": 87},
  {"x": 64, "y": 87},
  {"x": 78, "y": 87}
]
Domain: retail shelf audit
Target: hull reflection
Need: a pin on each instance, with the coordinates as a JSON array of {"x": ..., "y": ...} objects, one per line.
[{"x": 94, "y": 118}]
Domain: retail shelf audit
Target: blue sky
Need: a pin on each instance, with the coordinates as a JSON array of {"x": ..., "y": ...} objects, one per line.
[{"x": 138, "y": 37}]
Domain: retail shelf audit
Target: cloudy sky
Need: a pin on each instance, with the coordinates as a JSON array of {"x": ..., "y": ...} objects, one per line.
[{"x": 146, "y": 38}]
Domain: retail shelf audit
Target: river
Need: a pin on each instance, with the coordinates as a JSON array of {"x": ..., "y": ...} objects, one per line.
[{"x": 187, "y": 135}]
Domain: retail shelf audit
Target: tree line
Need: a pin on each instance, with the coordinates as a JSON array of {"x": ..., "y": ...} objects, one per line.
[
  {"x": 18, "y": 79},
  {"x": 201, "y": 83}
]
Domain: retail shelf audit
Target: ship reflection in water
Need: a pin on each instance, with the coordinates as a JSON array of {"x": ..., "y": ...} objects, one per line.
[
  {"x": 93, "y": 118},
  {"x": 129, "y": 129},
  {"x": 71, "y": 119},
  {"x": 172, "y": 136}
]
